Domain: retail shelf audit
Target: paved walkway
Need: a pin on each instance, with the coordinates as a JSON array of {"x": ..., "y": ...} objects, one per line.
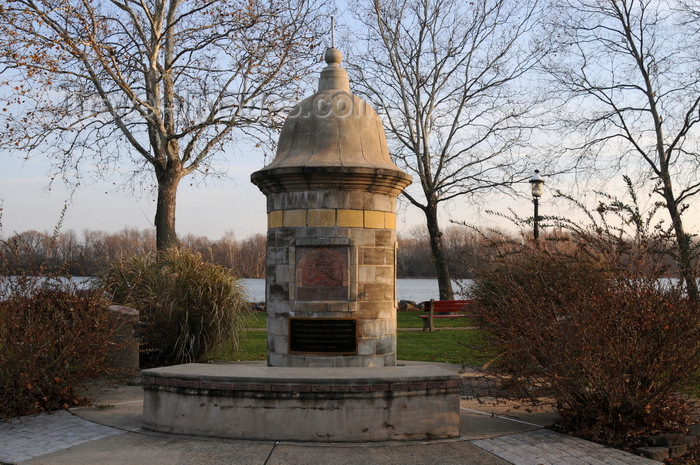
[
  {"x": 36, "y": 435},
  {"x": 109, "y": 432},
  {"x": 544, "y": 447}
]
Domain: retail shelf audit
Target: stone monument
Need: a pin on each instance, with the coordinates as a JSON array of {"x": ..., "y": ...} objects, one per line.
[
  {"x": 331, "y": 373},
  {"x": 331, "y": 241}
]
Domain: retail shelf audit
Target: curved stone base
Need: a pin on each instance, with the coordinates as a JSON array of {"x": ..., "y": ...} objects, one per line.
[{"x": 303, "y": 404}]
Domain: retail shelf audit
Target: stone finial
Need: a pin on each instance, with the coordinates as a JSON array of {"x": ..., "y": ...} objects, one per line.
[
  {"x": 334, "y": 76},
  {"x": 333, "y": 56}
]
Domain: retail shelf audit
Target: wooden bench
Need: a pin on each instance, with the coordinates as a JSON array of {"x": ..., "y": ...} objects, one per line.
[{"x": 443, "y": 309}]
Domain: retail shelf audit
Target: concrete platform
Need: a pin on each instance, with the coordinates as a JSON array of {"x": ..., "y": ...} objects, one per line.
[
  {"x": 420, "y": 401},
  {"x": 109, "y": 433}
]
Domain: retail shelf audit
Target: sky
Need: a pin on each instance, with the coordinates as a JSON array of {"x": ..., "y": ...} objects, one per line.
[
  {"x": 209, "y": 209},
  {"x": 217, "y": 206}
]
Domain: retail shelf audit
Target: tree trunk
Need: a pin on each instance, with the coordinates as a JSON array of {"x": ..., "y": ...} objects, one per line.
[
  {"x": 168, "y": 180},
  {"x": 438, "y": 252},
  {"x": 685, "y": 264}
]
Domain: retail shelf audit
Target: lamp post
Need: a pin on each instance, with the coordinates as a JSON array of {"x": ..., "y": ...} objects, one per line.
[{"x": 536, "y": 183}]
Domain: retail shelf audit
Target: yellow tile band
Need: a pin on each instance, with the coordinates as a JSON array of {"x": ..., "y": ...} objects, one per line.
[
  {"x": 294, "y": 218},
  {"x": 351, "y": 218},
  {"x": 274, "y": 219},
  {"x": 374, "y": 219},
  {"x": 389, "y": 220},
  {"x": 320, "y": 218},
  {"x": 370, "y": 219}
]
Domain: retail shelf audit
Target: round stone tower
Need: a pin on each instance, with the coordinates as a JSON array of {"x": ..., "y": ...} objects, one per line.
[{"x": 331, "y": 240}]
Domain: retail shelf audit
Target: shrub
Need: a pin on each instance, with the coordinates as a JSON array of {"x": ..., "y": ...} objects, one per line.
[
  {"x": 590, "y": 320},
  {"x": 188, "y": 308},
  {"x": 51, "y": 337}
]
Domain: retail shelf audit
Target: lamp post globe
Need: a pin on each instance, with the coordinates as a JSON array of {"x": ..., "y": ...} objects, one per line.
[{"x": 536, "y": 184}]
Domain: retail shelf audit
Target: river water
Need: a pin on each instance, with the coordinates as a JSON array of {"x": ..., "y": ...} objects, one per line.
[{"x": 415, "y": 290}]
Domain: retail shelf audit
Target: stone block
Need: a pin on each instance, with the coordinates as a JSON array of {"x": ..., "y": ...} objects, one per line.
[
  {"x": 677, "y": 450},
  {"x": 377, "y": 310},
  {"x": 321, "y": 218},
  {"x": 366, "y": 273},
  {"x": 124, "y": 354},
  {"x": 339, "y": 307},
  {"x": 363, "y": 237},
  {"x": 385, "y": 238},
  {"x": 354, "y": 200},
  {"x": 318, "y": 235},
  {"x": 277, "y": 344},
  {"x": 276, "y": 359},
  {"x": 284, "y": 274},
  {"x": 366, "y": 346},
  {"x": 350, "y": 218},
  {"x": 271, "y": 203},
  {"x": 654, "y": 453},
  {"x": 346, "y": 362},
  {"x": 310, "y": 199},
  {"x": 386, "y": 345},
  {"x": 278, "y": 292},
  {"x": 278, "y": 326},
  {"x": 274, "y": 219},
  {"x": 294, "y": 218},
  {"x": 374, "y": 219},
  {"x": 384, "y": 274},
  {"x": 279, "y": 309},
  {"x": 373, "y": 292},
  {"x": 368, "y": 310},
  {"x": 375, "y": 256},
  {"x": 295, "y": 361},
  {"x": 319, "y": 362},
  {"x": 280, "y": 237},
  {"x": 373, "y": 362},
  {"x": 287, "y": 200},
  {"x": 386, "y": 203},
  {"x": 668, "y": 439},
  {"x": 277, "y": 256},
  {"x": 311, "y": 309},
  {"x": 377, "y": 328}
]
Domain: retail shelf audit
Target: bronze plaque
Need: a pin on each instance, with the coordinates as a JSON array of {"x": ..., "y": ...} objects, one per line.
[
  {"x": 331, "y": 336},
  {"x": 322, "y": 273}
]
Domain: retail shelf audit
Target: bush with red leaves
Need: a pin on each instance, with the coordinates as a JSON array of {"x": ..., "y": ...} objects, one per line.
[{"x": 51, "y": 338}]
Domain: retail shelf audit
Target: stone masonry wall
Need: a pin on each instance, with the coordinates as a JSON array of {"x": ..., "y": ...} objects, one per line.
[{"x": 361, "y": 225}]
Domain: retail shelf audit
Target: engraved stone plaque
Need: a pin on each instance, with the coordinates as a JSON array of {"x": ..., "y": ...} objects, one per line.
[
  {"x": 331, "y": 336},
  {"x": 322, "y": 273}
]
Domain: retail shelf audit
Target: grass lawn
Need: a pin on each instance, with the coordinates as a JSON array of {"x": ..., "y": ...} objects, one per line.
[
  {"x": 469, "y": 347},
  {"x": 257, "y": 320},
  {"x": 405, "y": 320},
  {"x": 253, "y": 347},
  {"x": 411, "y": 320},
  {"x": 462, "y": 346}
]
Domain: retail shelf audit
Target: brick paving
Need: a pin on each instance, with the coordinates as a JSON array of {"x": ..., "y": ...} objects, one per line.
[
  {"x": 545, "y": 447},
  {"x": 36, "y": 435}
]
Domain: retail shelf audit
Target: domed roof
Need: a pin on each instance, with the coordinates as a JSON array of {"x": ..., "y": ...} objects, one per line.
[{"x": 330, "y": 137}]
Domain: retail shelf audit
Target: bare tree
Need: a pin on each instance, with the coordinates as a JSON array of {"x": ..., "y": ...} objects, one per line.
[
  {"x": 443, "y": 74},
  {"x": 156, "y": 86},
  {"x": 251, "y": 256},
  {"x": 628, "y": 70}
]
